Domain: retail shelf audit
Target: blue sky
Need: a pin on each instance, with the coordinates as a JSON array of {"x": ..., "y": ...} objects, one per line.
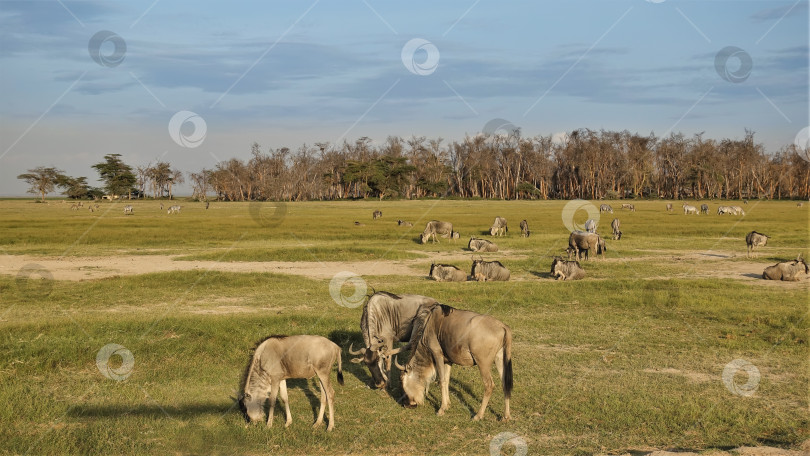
[{"x": 285, "y": 74}]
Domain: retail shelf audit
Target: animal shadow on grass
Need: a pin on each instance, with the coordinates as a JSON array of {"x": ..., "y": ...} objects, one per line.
[
  {"x": 542, "y": 275},
  {"x": 345, "y": 338},
  {"x": 185, "y": 411},
  {"x": 753, "y": 275},
  {"x": 460, "y": 393}
]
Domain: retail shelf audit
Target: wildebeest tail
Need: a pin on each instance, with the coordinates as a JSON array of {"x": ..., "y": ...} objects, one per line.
[
  {"x": 340, "y": 367},
  {"x": 507, "y": 363}
]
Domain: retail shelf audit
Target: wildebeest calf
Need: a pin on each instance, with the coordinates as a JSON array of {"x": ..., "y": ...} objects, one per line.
[{"x": 566, "y": 269}]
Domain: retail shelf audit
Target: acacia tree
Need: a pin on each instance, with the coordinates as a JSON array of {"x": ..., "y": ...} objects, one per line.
[
  {"x": 42, "y": 179},
  {"x": 74, "y": 187},
  {"x": 117, "y": 175}
]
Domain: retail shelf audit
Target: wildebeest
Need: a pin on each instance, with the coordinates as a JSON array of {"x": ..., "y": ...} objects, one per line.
[
  {"x": 356, "y": 223},
  {"x": 443, "y": 336},
  {"x": 434, "y": 227},
  {"x": 387, "y": 318},
  {"x": 128, "y": 209},
  {"x": 723, "y": 210},
  {"x": 790, "y": 271},
  {"x": 447, "y": 273},
  {"x": 404, "y": 223},
  {"x": 580, "y": 240},
  {"x": 799, "y": 204},
  {"x": 689, "y": 209},
  {"x": 161, "y": 206},
  {"x": 590, "y": 225},
  {"x": 484, "y": 271},
  {"x": 704, "y": 209},
  {"x": 737, "y": 210},
  {"x": 524, "y": 228},
  {"x": 605, "y": 208},
  {"x": 482, "y": 245},
  {"x": 174, "y": 210},
  {"x": 669, "y": 207},
  {"x": 499, "y": 227},
  {"x": 207, "y": 204},
  {"x": 754, "y": 239},
  {"x": 615, "y": 225},
  {"x": 566, "y": 269},
  {"x": 377, "y": 214},
  {"x": 632, "y": 207},
  {"x": 278, "y": 358}
]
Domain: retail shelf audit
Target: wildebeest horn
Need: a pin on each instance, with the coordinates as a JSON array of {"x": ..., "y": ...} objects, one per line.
[
  {"x": 397, "y": 350},
  {"x": 361, "y": 351},
  {"x": 399, "y": 366}
]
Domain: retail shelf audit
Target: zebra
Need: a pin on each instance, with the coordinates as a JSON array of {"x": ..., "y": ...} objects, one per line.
[
  {"x": 128, "y": 209},
  {"x": 173, "y": 210}
]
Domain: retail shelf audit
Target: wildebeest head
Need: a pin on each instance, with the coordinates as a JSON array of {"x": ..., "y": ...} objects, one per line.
[
  {"x": 374, "y": 358},
  {"x": 799, "y": 261},
  {"x": 554, "y": 263},
  {"x": 425, "y": 237},
  {"x": 252, "y": 408},
  {"x": 475, "y": 265},
  {"x": 414, "y": 382},
  {"x": 601, "y": 246}
]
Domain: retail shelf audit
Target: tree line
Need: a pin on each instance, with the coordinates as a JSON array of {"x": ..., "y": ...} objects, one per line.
[{"x": 584, "y": 164}]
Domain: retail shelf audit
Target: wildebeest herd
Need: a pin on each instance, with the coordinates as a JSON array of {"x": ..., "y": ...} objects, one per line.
[{"x": 436, "y": 335}]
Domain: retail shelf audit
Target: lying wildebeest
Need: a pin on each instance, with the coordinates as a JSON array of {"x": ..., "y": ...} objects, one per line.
[
  {"x": 754, "y": 239},
  {"x": 482, "y": 245},
  {"x": 128, "y": 209},
  {"x": 790, "y": 271},
  {"x": 434, "y": 227},
  {"x": 566, "y": 269},
  {"x": 615, "y": 225},
  {"x": 174, "y": 210},
  {"x": 499, "y": 227},
  {"x": 704, "y": 209},
  {"x": 356, "y": 223},
  {"x": 590, "y": 225},
  {"x": 387, "y": 318},
  {"x": 278, "y": 358},
  {"x": 632, "y": 207},
  {"x": 605, "y": 208},
  {"x": 447, "y": 273},
  {"x": 524, "y": 228},
  {"x": 689, "y": 209},
  {"x": 669, "y": 207},
  {"x": 484, "y": 271},
  {"x": 377, "y": 214},
  {"x": 443, "y": 336},
  {"x": 404, "y": 223},
  {"x": 580, "y": 240}
]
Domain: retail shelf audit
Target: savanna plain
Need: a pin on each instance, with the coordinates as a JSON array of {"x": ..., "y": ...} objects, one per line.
[{"x": 631, "y": 358}]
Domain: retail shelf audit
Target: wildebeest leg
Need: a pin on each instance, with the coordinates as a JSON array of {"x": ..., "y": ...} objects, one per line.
[
  {"x": 282, "y": 394},
  {"x": 445, "y": 390},
  {"x": 273, "y": 392},
  {"x": 486, "y": 377},
  {"x": 328, "y": 396},
  {"x": 319, "y": 421}
]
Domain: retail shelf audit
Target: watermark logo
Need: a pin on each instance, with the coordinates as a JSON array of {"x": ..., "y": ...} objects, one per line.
[
  {"x": 735, "y": 367},
  {"x": 500, "y": 126},
  {"x": 508, "y": 438},
  {"x": 419, "y": 64},
  {"x": 569, "y": 214},
  {"x": 34, "y": 281},
  {"x": 107, "y": 48},
  {"x": 179, "y": 125},
  {"x": 268, "y": 214},
  {"x": 802, "y": 142},
  {"x": 724, "y": 64},
  {"x": 118, "y": 372},
  {"x": 352, "y": 281}
]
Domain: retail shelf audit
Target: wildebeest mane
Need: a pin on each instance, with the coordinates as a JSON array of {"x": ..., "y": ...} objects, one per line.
[{"x": 253, "y": 356}]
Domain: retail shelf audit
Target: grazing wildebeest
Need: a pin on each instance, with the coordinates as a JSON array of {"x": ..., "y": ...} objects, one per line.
[
  {"x": 605, "y": 208},
  {"x": 790, "y": 271},
  {"x": 723, "y": 210},
  {"x": 704, "y": 209},
  {"x": 615, "y": 225},
  {"x": 499, "y": 227},
  {"x": 632, "y": 207},
  {"x": 799, "y": 204},
  {"x": 174, "y": 210},
  {"x": 581, "y": 240},
  {"x": 482, "y": 245},
  {"x": 404, "y": 223},
  {"x": 689, "y": 209},
  {"x": 387, "y": 319},
  {"x": 443, "y": 336},
  {"x": 484, "y": 271},
  {"x": 278, "y": 358},
  {"x": 434, "y": 227},
  {"x": 447, "y": 273},
  {"x": 566, "y": 269},
  {"x": 377, "y": 214},
  {"x": 590, "y": 225},
  {"x": 669, "y": 207},
  {"x": 128, "y": 209},
  {"x": 524, "y": 228},
  {"x": 754, "y": 239},
  {"x": 737, "y": 210}
]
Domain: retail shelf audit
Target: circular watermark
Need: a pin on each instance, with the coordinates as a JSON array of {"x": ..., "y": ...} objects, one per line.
[
  {"x": 508, "y": 438},
  {"x": 422, "y": 66},
  {"x": 179, "y": 133},
  {"x": 99, "y": 48},
  {"x": 118, "y": 373},
  {"x": 34, "y": 281},
  {"x": 570, "y": 210},
  {"x": 268, "y": 214},
  {"x": 349, "y": 280},
  {"x": 732, "y": 369},
  {"x": 802, "y": 142},
  {"x": 500, "y": 126},
  {"x": 724, "y": 66},
  {"x": 655, "y": 1}
]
